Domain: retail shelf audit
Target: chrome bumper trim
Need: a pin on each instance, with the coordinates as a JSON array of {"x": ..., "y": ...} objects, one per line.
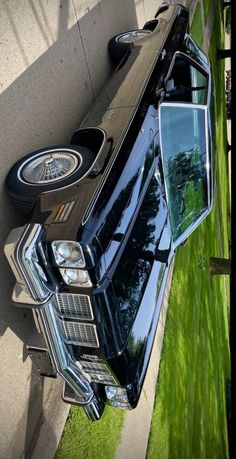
[
  {"x": 21, "y": 254},
  {"x": 31, "y": 289},
  {"x": 63, "y": 361}
]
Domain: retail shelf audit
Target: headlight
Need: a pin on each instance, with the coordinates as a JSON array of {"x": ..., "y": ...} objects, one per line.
[
  {"x": 68, "y": 254},
  {"x": 76, "y": 277}
]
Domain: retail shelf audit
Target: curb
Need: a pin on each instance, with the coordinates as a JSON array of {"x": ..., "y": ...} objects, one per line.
[{"x": 51, "y": 425}]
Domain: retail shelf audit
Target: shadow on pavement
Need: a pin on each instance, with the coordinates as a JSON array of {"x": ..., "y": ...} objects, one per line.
[{"x": 43, "y": 106}]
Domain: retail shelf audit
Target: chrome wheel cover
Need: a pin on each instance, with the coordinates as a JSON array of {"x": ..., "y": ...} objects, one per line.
[
  {"x": 49, "y": 167},
  {"x": 129, "y": 37}
]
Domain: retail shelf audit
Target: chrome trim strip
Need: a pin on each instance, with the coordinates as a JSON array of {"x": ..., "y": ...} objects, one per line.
[
  {"x": 188, "y": 58},
  {"x": 208, "y": 159},
  {"x": 20, "y": 251},
  {"x": 190, "y": 229},
  {"x": 63, "y": 361},
  {"x": 94, "y": 409},
  {"x": 21, "y": 242},
  {"x": 206, "y": 212},
  {"x": 182, "y": 104},
  {"x": 66, "y": 211},
  {"x": 24, "y": 259},
  {"x": 9, "y": 248},
  {"x": 20, "y": 295}
]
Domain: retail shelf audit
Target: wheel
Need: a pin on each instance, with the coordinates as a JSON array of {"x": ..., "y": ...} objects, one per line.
[
  {"x": 46, "y": 169},
  {"x": 119, "y": 45}
]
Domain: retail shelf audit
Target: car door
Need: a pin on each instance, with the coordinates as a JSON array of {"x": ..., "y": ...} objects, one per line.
[{"x": 186, "y": 81}]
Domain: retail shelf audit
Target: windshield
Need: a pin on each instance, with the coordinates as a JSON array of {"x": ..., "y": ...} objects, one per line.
[{"x": 183, "y": 144}]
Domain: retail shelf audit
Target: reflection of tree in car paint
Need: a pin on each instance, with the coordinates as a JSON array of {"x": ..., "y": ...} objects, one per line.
[
  {"x": 185, "y": 177},
  {"x": 133, "y": 271},
  {"x": 183, "y": 167}
]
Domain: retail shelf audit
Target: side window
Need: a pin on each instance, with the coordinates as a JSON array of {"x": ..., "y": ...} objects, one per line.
[
  {"x": 186, "y": 83},
  {"x": 192, "y": 46}
]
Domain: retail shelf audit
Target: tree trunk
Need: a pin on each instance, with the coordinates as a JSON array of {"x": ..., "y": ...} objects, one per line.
[
  {"x": 220, "y": 266},
  {"x": 228, "y": 147},
  {"x": 223, "y": 53}
]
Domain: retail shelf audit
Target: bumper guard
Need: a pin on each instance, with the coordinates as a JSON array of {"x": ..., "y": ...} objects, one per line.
[{"x": 32, "y": 290}]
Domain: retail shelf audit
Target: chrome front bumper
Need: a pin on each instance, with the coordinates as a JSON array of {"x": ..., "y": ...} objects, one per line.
[{"x": 32, "y": 290}]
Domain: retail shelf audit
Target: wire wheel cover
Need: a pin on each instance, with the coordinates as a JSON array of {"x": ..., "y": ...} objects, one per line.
[{"x": 50, "y": 167}]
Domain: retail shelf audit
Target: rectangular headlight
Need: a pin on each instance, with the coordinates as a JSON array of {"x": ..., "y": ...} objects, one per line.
[
  {"x": 76, "y": 277},
  {"x": 68, "y": 254}
]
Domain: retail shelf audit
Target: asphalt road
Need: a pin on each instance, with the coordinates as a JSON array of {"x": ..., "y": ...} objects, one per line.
[{"x": 54, "y": 62}]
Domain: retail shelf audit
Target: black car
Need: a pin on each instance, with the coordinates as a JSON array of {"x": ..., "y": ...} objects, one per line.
[{"x": 108, "y": 211}]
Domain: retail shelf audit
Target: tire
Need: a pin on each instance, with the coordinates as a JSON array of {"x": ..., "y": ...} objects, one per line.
[
  {"x": 44, "y": 170},
  {"x": 119, "y": 45}
]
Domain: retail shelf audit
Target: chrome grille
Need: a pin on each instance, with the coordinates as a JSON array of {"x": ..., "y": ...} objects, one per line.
[
  {"x": 98, "y": 372},
  {"x": 72, "y": 305},
  {"x": 79, "y": 333},
  {"x": 91, "y": 367}
]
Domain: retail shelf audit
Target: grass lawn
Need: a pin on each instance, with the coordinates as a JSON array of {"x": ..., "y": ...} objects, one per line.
[
  {"x": 92, "y": 440},
  {"x": 207, "y": 6},
  {"x": 189, "y": 419},
  {"x": 196, "y": 27}
]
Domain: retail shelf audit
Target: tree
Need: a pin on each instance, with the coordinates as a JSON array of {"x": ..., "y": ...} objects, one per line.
[
  {"x": 220, "y": 266},
  {"x": 225, "y": 4},
  {"x": 223, "y": 53},
  {"x": 228, "y": 147}
]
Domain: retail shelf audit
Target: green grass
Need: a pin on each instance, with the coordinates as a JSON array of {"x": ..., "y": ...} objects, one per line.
[
  {"x": 196, "y": 27},
  {"x": 222, "y": 173},
  {"x": 207, "y": 6},
  {"x": 228, "y": 19},
  {"x": 93, "y": 440},
  {"x": 189, "y": 419}
]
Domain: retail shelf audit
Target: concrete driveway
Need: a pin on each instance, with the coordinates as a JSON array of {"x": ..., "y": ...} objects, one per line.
[{"x": 54, "y": 62}]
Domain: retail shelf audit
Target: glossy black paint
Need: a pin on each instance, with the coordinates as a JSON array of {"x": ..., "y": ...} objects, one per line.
[
  {"x": 120, "y": 214},
  {"x": 116, "y": 111}
]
